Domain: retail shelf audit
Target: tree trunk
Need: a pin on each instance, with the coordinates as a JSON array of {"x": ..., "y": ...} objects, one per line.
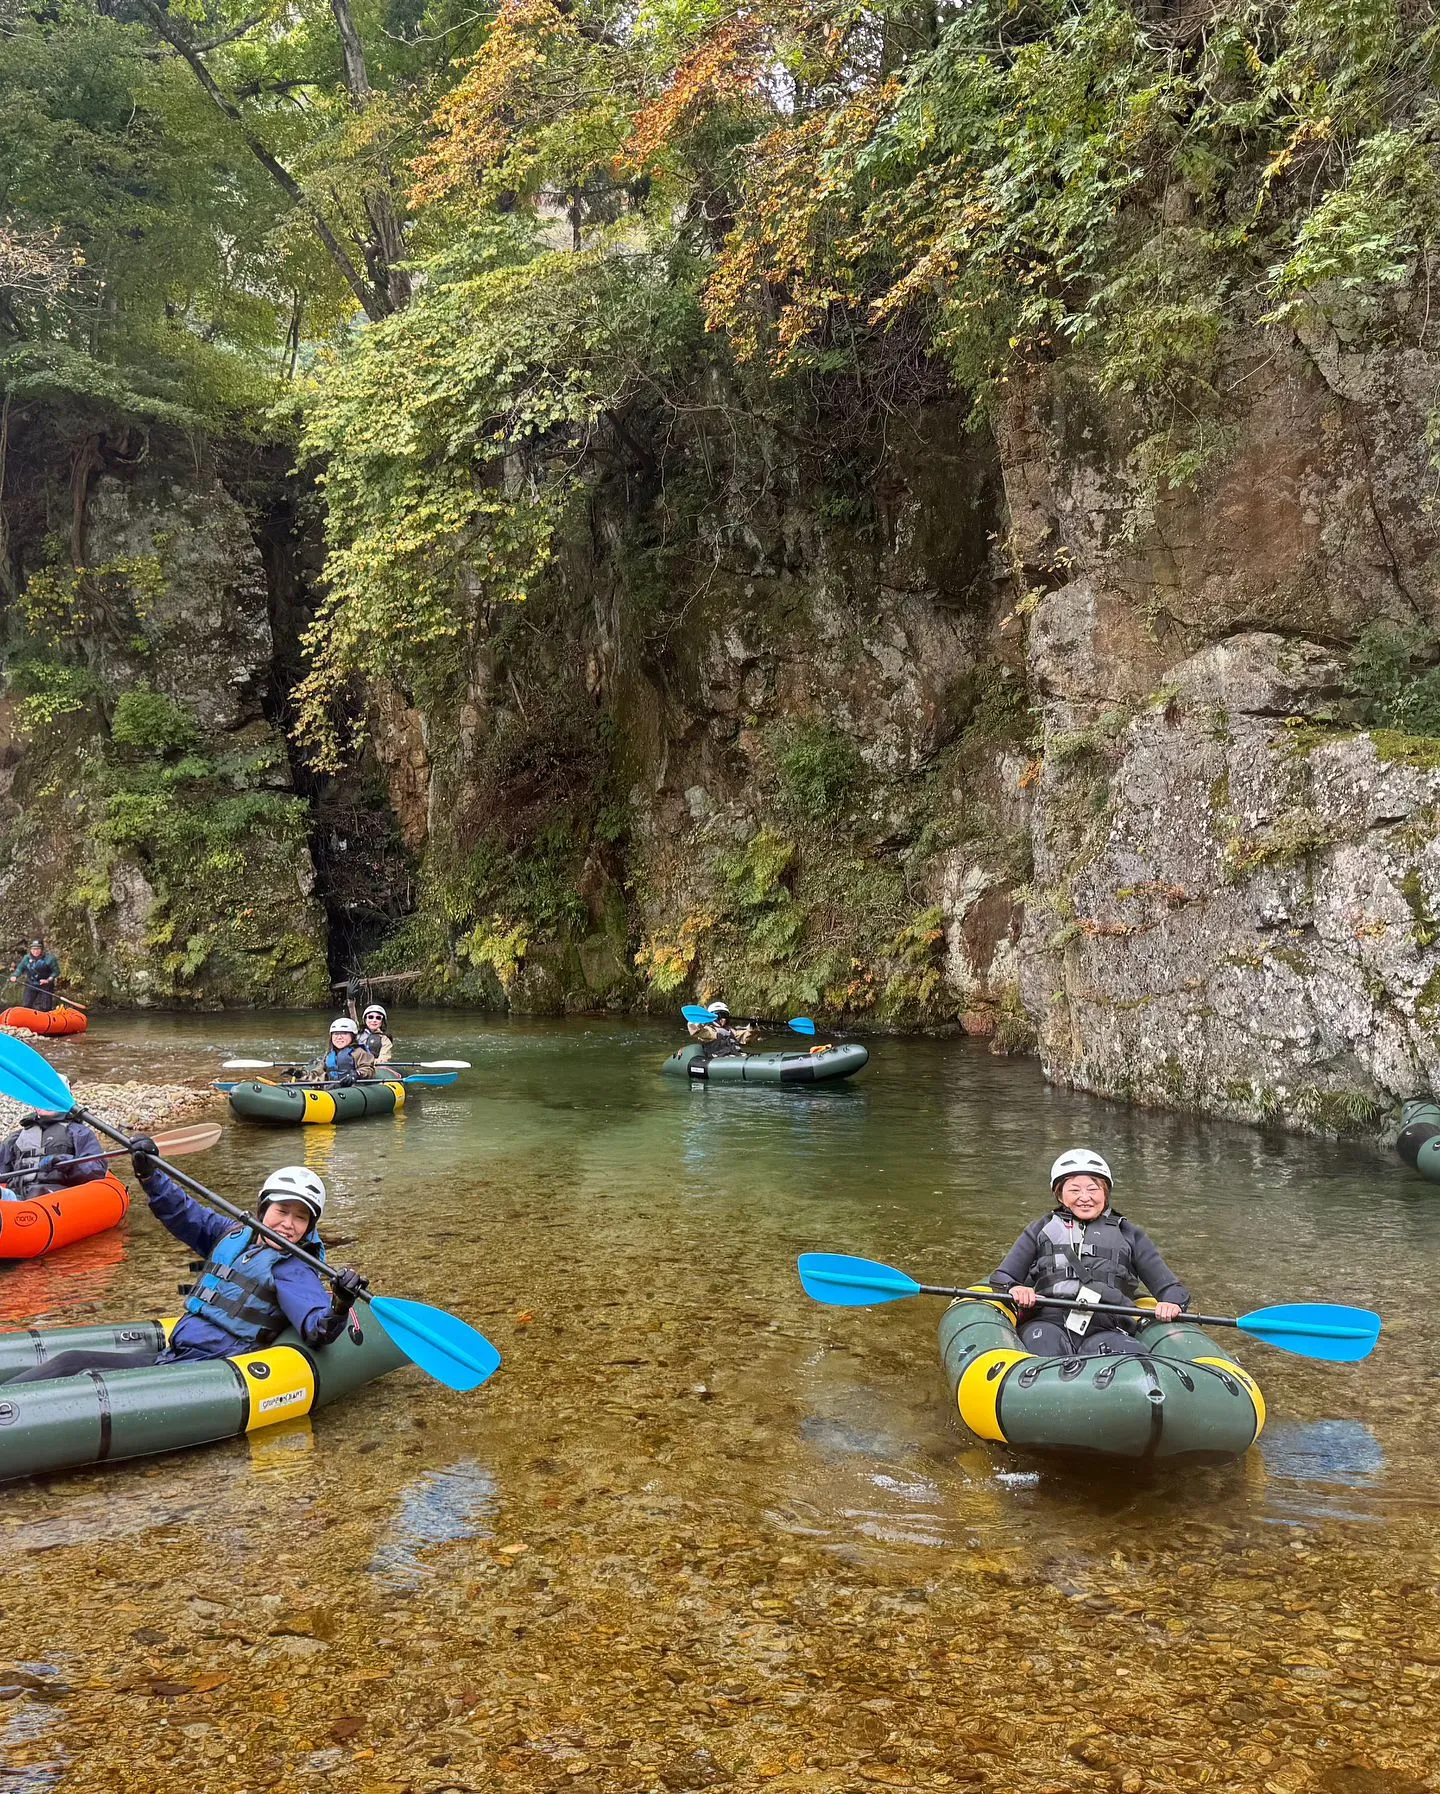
[
  {"x": 374, "y": 300},
  {"x": 388, "y": 249}
]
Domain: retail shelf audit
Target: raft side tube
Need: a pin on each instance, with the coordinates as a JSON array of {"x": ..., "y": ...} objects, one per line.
[
  {"x": 836, "y": 1062},
  {"x": 1184, "y": 1401},
  {"x": 292, "y": 1104},
  {"x": 1418, "y": 1142},
  {"x": 40, "y": 1224},
  {"x": 100, "y": 1417},
  {"x": 60, "y": 1020}
]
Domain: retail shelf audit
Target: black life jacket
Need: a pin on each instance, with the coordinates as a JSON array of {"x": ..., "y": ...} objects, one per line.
[
  {"x": 38, "y": 1140},
  {"x": 725, "y": 1043},
  {"x": 1093, "y": 1254},
  {"x": 374, "y": 1040},
  {"x": 235, "y": 1290}
]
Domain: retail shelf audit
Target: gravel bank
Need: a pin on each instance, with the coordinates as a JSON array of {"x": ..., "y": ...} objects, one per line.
[{"x": 141, "y": 1106}]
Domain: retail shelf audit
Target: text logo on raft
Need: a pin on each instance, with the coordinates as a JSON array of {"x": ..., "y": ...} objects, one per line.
[{"x": 283, "y": 1401}]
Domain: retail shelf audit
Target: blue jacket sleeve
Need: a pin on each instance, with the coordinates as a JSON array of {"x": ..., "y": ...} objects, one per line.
[
  {"x": 191, "y": 1222},
  {"x": 304, "y": 1298},
  {"x": 85, "y": 1170}
]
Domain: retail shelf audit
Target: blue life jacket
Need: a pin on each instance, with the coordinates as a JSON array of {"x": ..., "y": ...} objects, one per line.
[
  {"x": 235, "y": 1290},
  {"x": 341, "y": 1064}
]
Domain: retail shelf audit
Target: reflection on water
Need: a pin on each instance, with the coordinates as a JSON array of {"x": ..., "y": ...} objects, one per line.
[
  {"x": 1322, "y": 1466},
  {"x": 31, "y": 1760},
  {"x": 438, "y": 1508},
  {"x": 743, "y": 1539}
]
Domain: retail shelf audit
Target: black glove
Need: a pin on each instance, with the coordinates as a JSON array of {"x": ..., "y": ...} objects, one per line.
[
  {"x": 144, "y": 1156},
  {"x": 346, "y": 1290},
  {"x": 346, "y": 1082}
]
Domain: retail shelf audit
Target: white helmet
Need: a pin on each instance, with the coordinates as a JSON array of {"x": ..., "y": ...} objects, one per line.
[
  {"x": 374, "y": 1009},
  {"x": 1079, "y": 1161},
  {"x": 343, "y": 1025},
  {"x": 293, "y": 1183},
  {"x": 718, "y": 1008}
]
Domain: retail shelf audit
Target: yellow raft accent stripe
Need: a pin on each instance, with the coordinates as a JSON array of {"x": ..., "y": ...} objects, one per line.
[
  {"x": 978, "y": 1391},
  {"x": 281, "y": 1384},
  {"x": 399, "y": 1090},
  {"x": 1246, "y": 1382},
  {"x": 319, "y": 1106},
  {"x": 992, "y": 1299}
]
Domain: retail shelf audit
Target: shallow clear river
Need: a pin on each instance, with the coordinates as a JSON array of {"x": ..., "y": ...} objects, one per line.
[{"x": 699, "y": 1532}]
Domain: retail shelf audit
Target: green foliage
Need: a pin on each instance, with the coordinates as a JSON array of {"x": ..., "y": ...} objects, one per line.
[
  {"x": 452, "y": 438},
  {"x": 755, "y": 874},
  {"x": 150, "y": 723},
  {"x": 51, "y": 689},
  {"x": 168, "y": 305},
  {"x": 820, "y": 769},
  {"x": 1396, "y": 689},
  {"x": 1078, "y": 185}
]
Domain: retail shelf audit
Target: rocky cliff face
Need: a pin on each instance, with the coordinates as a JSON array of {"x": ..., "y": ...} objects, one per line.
[
  {"x": 150, "y": 822},
  {"x": 748, "y": 739},
  {"x": 1234, "y": 882},
  {"x": 1017, "y": 744}
]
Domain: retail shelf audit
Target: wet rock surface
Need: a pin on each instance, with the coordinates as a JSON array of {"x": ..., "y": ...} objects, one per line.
[{"x": 1239, "y": 896}]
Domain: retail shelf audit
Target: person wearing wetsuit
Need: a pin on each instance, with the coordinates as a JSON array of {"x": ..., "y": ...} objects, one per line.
[
  {"x": 1084, "y": 1249},
  {"x": 48, "y": 1153},
  {"x": 248, "y": 1290},
  {"x": 347, "y": 1062},
  {"x": 38, "y": 973}
]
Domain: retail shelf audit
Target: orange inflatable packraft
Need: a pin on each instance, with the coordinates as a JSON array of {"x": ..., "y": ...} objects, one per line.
[
  {"x": 60, "y": 1020},
  {"x": 46, "y": 1223}
]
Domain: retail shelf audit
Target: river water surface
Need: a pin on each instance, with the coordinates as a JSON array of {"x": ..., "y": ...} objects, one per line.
[{"x": 699, "y": 1532}]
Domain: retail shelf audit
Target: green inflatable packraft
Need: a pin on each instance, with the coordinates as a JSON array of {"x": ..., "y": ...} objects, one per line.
[
  {"x": 1419, "y": 1141},
  {"x": 836, "y": 1062},
  {"x": 99, "y": 1417},
  {"x": 1184, "y": 1402},
  {"x": 317, "y": 1104}
]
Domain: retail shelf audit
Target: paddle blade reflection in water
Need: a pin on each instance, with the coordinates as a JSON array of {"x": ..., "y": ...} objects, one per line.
[
  {"x": 1322, "y": 1467},
  {"x": 439, "y": 1508}
]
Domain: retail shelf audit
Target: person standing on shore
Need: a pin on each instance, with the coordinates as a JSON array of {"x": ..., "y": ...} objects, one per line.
[{"x": 38, "y": 972}]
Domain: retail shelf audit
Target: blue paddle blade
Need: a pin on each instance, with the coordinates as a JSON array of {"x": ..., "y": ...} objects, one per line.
[
  {"x": 801, "y": 1024},
  {"x": 443, "y": 1346},
  {"x": 31, "y": 1080},
  {"x": 1316, "y": 1330},
  {"x": 843, "y": 1282},
  {"x": 694, "y": 1013}
]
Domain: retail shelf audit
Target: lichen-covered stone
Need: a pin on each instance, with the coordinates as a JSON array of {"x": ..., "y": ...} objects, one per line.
[{"x": 1247, "y": 924}]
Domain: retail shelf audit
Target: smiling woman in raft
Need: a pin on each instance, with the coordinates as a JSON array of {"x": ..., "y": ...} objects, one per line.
[
  {"x": 347, "y": 1062},
  {"x": 1084, "y": 1249},
  {"x": 248, "y": 1290}
]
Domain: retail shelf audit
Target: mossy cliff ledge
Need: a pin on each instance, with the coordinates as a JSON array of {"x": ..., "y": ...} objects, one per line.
[{"x": 150, "y": 822}]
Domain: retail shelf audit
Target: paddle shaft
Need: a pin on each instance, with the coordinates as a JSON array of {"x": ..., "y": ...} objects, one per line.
[
  {"x": 1000, "y": 1295},
  {"x": 78, "y": 1158},
  {"x": 31, "y": 983},
  {"x": 318, "y": 1265}
]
